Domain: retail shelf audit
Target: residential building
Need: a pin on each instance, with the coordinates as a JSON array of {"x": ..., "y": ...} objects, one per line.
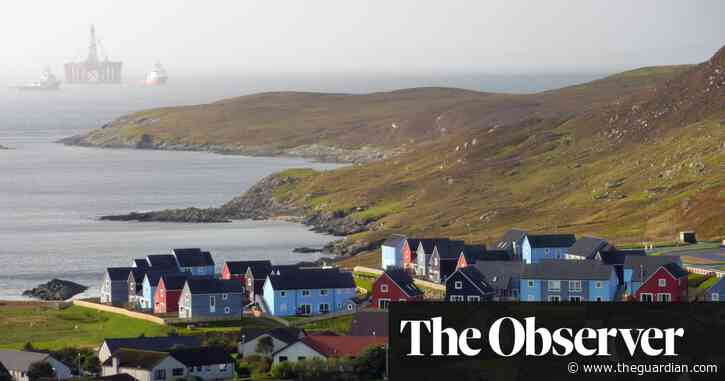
[
  {"x": 475, "y": 253},
  {"x": 503, "y": 276},
  {"x": 637, "y": 268},
  {"x": 162, "y": 262},
  {"x": 589, "y": 248},
  {"x": 716, "y": 292},
  {"x": 17, "y": 364},
  {"x": 394, "y": 285},
  {"x": 207, "y": 298},
  {"x": 154, "y": 344},
  {"x": 293, "y": 291},
  {"x": 144, "y": 365},
  {"x": 140, "y": 264},
  {"x": 572, "y": 281},
  {"x": 537, "y": 248},
  {"x": 281, "y": 337},
  {"x": 207, "y": 363},
  {"x": 114, "y": 289},
  {"x": 194, "y": 261},
  {"x": 135, "y": 285},
  {"x": 666, "y": 284},
  {"x": 238, "y": 270},
  {"x": 468, "y": 285},
  {"x": 410, "y": 247},
  {"x": 426, "y": 248},
  {"x": 325, "y": 347},
  {"x": 148, "y": 289},
  {"x": 255, "y": 277},
  {"x": 392, "y": 251},
  {"x": 445, "y": 257},
  {"x": 512, "y": 242},
  {"x": 370, "y": 323},
  {"x": 168, "y": 293}
]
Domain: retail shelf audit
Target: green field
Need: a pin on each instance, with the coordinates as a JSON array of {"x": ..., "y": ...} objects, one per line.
[{"x": 49, "y": 328}]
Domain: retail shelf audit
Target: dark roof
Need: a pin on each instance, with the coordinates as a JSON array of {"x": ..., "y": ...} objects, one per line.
[
  {"x": 404, "y": 281},
  {"x": 20, "y": 360},
  {"x": 155, "y": 276},
  {"x": 343, "y": 346},
  {"x": 193, "y": 257},
  {"x": 450, "y": 250},
  {"x": 477, "y": 278},
  {"x": 676, "y": 270},
  {"x": 644, "y": 266},
  {"x": 240, "y": 267},
  {"x": 566, "y": 269},
  {"x": 205, "y": 356},
  {"x": 115, "y": 377},
  {"x": 137, "y": 274},
  {"x": 175, "y": 281},
  {"x": 431, "y": 243},
  {"x": 617, "y": 257},
  {"x": 260, "y": 269},
  {"x": 134, "y": 358},
  {"x": 481, "y": 254},
  {"x": 395, "y": 240},
  {"x": 587, "y": 247},
  {"x": 551, "y": 240},
  {"x": 297, "y": 279},
  {"x": 512, "y": 235},
  {"x": 202, "y": 286},
  {"x": 370, "y": 323},
  {"x": 162, "y": 261},
  {"x": 119, "y": 273},
  {"x": 141, "y": 263},
  {"x": 160, "y": 344},
  {"x": 500, "y": 274},
  {"x": 285, "y": 334}
]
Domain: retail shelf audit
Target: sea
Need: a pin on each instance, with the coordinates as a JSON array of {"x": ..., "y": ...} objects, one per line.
[{"x": 51, "y": 195}]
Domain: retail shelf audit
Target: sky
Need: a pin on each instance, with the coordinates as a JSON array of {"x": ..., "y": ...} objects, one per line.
[{"x": 245, "y": 37}]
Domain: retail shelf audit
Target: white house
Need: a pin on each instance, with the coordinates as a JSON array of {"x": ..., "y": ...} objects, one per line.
[{"x": 18, "y": 363}]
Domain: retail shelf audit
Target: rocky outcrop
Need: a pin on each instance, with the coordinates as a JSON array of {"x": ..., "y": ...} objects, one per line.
[
  {"x": 2, "y": 147},
  {"x": 56, "y": 289}
]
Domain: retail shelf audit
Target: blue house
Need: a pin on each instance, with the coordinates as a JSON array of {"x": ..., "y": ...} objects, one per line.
[
  {"x": 536, "y": 248},
  {"x": 512, "y": 242},
  {"x": 637, "y": 268},
  {"x": 194, "y": 261},
  {"x": 290, "y": 291},
  {"x": 392, "y": 251},
  {"x": 211, "y": 299},
  {"x": 148, "y": 288},
  {"x": 572, "y": 281},
  {"x": 716, "y": 292}
]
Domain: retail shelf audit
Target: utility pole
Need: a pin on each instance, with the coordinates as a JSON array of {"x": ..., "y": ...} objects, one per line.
[{"x": 387, "y": 354}]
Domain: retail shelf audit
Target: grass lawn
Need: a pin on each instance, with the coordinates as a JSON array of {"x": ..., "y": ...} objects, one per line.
[
  {"x": 340, "y": 325},
  {"x": 48, "y": 328},
  {"x": 226, "y": 326}
]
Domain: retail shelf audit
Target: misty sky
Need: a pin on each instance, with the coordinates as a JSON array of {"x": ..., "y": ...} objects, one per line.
[{"x": 393, "y": 36}]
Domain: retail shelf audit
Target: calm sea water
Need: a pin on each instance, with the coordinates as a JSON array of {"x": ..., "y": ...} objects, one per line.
[{"x": 51, "y": 196}]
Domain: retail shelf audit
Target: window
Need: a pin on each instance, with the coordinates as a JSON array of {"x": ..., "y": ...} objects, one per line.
[
  {"x": 531, "y": 284},
  {"x": 474, "y": 298},
  {"x": 212, "y": 302},
  {"x": 383, "y": 288},
  {"x": 456, "y": 298},
  {"x": 305, "y": 309},
  {"x": 576, "y": 298},
  {"x": 554, "y": 285},
  {"x": 305, "y": 292},
  {"x": 715, "y": 297},
  {"x": 160, "y": 374},
  {"x": 227, "y": 310},
  {"x": 283, "y": 307},
  {"x": 283, "y": 293},
  {"x": 599, "y": 299},
  {"x": 458, "y": 285},
  {"x": 645, "y": 297},
  {"x": 177, "y": 372},
  {"x": 598, "y": 284},
  {"x": 301, "y": 358},
  {"x": 554, "y": 298},
  {"x": 546, "y": 252},
  {"x": 323, "y": 292},
  {"x": 282, "y": 358},
  {"x": 324, "y": 308},
  {"x": 575, "y": 285},
  {"x": 558, "y": 253},
  {"x": 225, "y": 296},
  {"x": 383, "y": 304},
  {"x": 515, "y": 293},
  {"x": 349, "y": 307},
  {"x": 662, "y": 282},
  {"x": 664, "y": 297}
]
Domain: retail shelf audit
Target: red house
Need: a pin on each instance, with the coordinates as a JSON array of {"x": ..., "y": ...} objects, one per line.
[
  {"x": 168, "y": 292},
  {"x": 394, "y": 285},
  {"x": 410, "y": 247},
  {"x": 667, "y": 284}
]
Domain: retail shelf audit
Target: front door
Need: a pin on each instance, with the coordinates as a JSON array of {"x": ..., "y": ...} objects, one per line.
[
  {"x": 212, "y": 304},
  {"x": 383, "y": 304}
]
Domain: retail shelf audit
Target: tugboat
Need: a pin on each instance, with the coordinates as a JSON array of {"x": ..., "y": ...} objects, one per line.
[
  {"x": 157, "y": 76},
  {"x": 47, "y": 82}
]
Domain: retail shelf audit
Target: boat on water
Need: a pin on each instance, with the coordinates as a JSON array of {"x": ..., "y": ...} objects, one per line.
[
  {"x": 157, "y": 76},
  {"x": 47, "y": 81}
]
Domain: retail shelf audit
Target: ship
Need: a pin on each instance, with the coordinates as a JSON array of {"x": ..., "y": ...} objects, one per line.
[
  {"x": 94, "y": 69},
  {"x": 157, "y": 76},
  {"x": 47, "y": 81}
]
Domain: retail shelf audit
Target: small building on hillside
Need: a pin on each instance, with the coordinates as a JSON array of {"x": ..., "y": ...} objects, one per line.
[
  {"x": 637, "y": 268},
  {"x": 589, "y": 248},
  {"x": 326, "y": 347},
  {"x": 391, "y": 251},
  {"x": 688, "y": 236},
  {"x": 568, "y": 281},
  {"x": 155, "y": 344},
  {"x": 426, "y": 248},
  {"x": 410, "y": 247},
  {"x": 444, "y": 259},
  {"x": 17, "y": 363},
  {"x": 297, "y": 291},
  {"x": 394, "y": 285},
  {"x": 210, "y": 299},
  {"x": 716, "y": 292},
  {"x": 144, "y": 365},
  {"x": 468, "y": 285},
  {"x": 114, "y": 288},
  {"x": 280, "y": 338},
  {"x": 512, "y": 242},
  {"x": 666, "y": 284},
  {"x": 537, "y": 248},
  {"x": 168, "y": 293},
  {"x": 503, "y": 276},
  {"x": 194, "y": 261}
]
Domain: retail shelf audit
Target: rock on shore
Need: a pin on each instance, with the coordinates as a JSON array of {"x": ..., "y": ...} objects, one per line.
[
  {"x": 2, "y": 147},
  {"x": 56, "y": 289}
]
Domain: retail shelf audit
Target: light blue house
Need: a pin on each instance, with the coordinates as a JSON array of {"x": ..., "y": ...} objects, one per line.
[
  {"x": 568, "y": 281},
  {"x": 194, "y": 261},
  {"x": 290, "y": 292},
  {"x": 205, "y": 299},
  {"x": 148, "y": 289},
  {"x": 637, "y": 269},
  {"x": 392, "y": 251},
  {"x": 536, "y": 248}
]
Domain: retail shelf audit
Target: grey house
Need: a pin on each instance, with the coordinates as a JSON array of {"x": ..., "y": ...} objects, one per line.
[
  {"x": 114, "y": 289},
  {"x": 211, "y": 299},
  {"x": 512, "y": 242},
  {"x": 207, "y": 363},
  {"x": 716, "y": 292},
  {"x": 281, "y": 337},
  {"x": 154, "y": 344},
  {"x": 503, "y": 277},
  {"x": 589, "y": 248},
  {"x": 144, "y": 365},
  {"x": 17, "y": 364}
]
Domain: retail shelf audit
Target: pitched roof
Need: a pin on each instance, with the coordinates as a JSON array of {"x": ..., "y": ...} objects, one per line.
[
  {"x": 404, "y": 281},
  {"x": 617, "y": 257},
  {"x": 343, "y": 346},
  {"x": 587, "y": 247},
  {"x": 141, "y": 263},
  {"x": 119, "y": 273},
  {"x": 450, "y": 250},
  {"x": 240, "y": 267},
  {"x": 162, "y": 261},
  {"x": 205, "y": 356},
  {"x": 159, "y": 344},
  {"x": 512, "y": 235},
  {"x": 413, "y": 243},
  {"x": 551, "y": 240},
  {"x": 676, "y": 270},
  {"x": 260, "y": 269},
  {"x": 644, "y": 266},
  {"x": 116, "y": 377},
  {"x": 134, "y": 358},
  {"x": 137, "y": 274},
  {"x": 155, "y": 276},
  {"x": 429, "y": 244},
  {"x": 287, "y": 335},
  {"x": 395, "y": 240},
  {"x": 175, "y": 281},
  {"x": 477, "y": 279},
  {"x": 193, "y": 257},
  {"x": 203, "y": 286},
  {"x": 718, "y": 286},
  {"x": 563, "y": 270},
  {"x": 500, "y": 274},
  {"x": 19, "y": 360},
  {"x": 370, "y": 323},
  {"x": 297, "y": 279},
  {"x": 480, "y": 253}
]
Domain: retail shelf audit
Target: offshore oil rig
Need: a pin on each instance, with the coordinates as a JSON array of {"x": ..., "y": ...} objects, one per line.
[{"x": 93, "y": 70}]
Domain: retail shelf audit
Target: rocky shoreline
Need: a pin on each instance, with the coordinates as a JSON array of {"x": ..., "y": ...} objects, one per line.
[
  {"x": 56, "y": 289},
  {"x": 2, "y": 147}
]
